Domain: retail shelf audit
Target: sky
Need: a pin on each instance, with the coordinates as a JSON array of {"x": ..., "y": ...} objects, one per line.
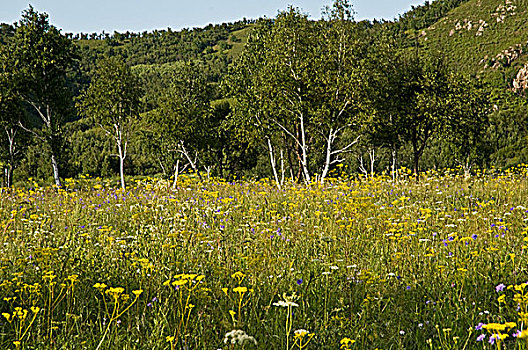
[{"x": 74, "y": 16}]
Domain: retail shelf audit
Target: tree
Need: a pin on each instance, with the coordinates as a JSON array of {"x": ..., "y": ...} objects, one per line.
[
  {"x": 113, "y": 100},
  {"x": 341, "y": 82},
  {"x": 300, "y": 83},
  {"x": 470, "y": 110},
  {"x": 287, "y": 83},
  {"x": 182, "y": 120},
  {"x": 40, "y": 57},
  {"x": 273, "y": 89},
  {"x": 418, "y": 99},
  {"x": 424, "y": 102},
  {"x": 432, "y": 103},
  {"x": 251, "y": 117},
  {"x": 391, "y": 93}
]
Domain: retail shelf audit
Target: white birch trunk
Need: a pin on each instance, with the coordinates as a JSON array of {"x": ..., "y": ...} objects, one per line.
[
  {"x": 372, "y": 156},
  {"x": 328, "y": 158},
  {"x": 55, "y": 170},
  {"x": 304, "y": 161},
  {"x": 362, "y": 167},
  {"x": 393, "y": 165},
  {"x": 122, "y": 153},
  {"x": 11, "y": 134},
  {"x": 273, "y": 162},
  {"x": 282, "y": 167},
  {"x": 176, "y": 174},
  {"x": 183, "y": 150},
  {"x": 332, "y": 155},
  {"x": 121, "y": 165}
]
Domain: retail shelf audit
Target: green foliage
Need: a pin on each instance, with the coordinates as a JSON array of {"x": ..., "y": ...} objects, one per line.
[
  {"x": 113, "y": 95},
  {"x": 6, "y": 32},
  {"x": 11, "y": 114},
  {"x": 423, "y": 16},
  {"x": 298, "y": 85}
]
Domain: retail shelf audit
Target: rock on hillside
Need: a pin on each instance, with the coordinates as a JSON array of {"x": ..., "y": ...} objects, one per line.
[{"x": 520, "y": 83}]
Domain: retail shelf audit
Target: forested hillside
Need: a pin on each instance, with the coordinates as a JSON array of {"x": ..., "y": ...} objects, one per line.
[{"x": 441, "y": 86}]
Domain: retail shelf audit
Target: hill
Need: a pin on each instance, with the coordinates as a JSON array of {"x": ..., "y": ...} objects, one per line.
[
  {"x": 211, "y": 43},
  {"x": 488, "y": 38}
]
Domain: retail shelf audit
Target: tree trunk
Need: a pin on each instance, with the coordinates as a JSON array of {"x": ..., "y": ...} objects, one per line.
[
  {"x": 416, "y": 160},
  {"x": 122, "y": 171},
  {"x": 273, "y": 162},
  {"x": 11, "y": 134},
  {"x": 55, "y": 166},
  {"x": 393, "y": 165},
  {"x": 328, "y": 158},
  {"x": 191, "y": 162},
  {"x": 121, "y": 165},
  {"x": 208, "y": 171},
  {"x": 176, "y": 174},
  {"x": 282, "y": 167},
  {"x": 372, "y": 156},
  {"x": 9, "y": 176},
  {"x": 362, "y": 167},
  {"x": 467, "y": 168},
  {"x": 304, "y": 152}
]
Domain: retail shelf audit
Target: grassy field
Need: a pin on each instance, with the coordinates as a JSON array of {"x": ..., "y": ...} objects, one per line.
[{"x": 356, "y": 264}]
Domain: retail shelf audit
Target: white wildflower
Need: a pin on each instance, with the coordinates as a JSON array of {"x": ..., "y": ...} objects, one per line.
[
  {"x": 283, "y": 303},
  {"x": 237, "y": 336}
]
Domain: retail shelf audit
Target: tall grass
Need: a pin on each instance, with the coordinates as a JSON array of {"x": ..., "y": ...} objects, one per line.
[{"x": 357, "y": 264}]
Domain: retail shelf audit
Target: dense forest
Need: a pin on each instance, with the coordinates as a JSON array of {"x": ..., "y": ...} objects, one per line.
[{"x": 285, "y": 98}]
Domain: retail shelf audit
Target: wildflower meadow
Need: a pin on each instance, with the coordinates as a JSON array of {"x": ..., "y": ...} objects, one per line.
[{"x": 357, "y": 263}]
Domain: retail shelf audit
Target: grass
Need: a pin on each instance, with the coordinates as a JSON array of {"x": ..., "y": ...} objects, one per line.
[
  {"x": 237, "y": 47},
  {"x": 358, "y": 264}
]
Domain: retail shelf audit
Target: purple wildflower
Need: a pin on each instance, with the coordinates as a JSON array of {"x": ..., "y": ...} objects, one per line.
[
  {"x": 492, "y": 339},
  {"x": 500, "y": 287}
]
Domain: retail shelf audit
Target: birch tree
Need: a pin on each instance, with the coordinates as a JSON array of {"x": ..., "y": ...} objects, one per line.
[
  {"x": 288, "y": 81},
  {"x": 41, "y": 57},
  {"x": 112, "y": 100},
  {"x": 183, "y": 119},
  {"x": 252, "y": 117},
  {"x": 302, "y": 80},
  {"x": 340, "y": 79}
]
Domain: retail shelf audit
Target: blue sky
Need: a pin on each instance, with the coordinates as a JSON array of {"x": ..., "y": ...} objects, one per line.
[{"x": 139, "y": 15}]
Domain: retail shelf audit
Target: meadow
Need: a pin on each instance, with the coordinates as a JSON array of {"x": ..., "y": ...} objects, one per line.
[{"x": 358, "y": 263}]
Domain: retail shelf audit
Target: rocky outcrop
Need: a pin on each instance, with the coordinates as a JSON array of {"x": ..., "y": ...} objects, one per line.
[
  {"x": 520, "y": 83},
  {"x": 506, "y": 57},
  {"x": 503, "y": 11}
]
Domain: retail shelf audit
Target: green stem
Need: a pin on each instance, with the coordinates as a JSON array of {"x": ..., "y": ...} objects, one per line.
[{"x": 108, "y": 327}]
